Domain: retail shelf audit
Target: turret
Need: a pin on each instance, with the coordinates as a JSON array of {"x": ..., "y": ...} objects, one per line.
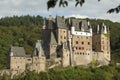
[
  {"x": 44, "y": 24},
  {"x": 38, "y": 49},
  {"x": 69, "y": 22},
  {"x": 91, "y": 30},
  {"x": 82, "y": 27},
  {"x": 88, "y": 23},
  {"x": 72, "y": 29},
  {"x": 105, "y": 30},
  {"x": 108, "y": 29},
  {"x": 98, "y": 28}
]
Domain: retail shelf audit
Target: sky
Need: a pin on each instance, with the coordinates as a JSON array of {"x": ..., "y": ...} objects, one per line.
[{"x": 90, "y": 9}]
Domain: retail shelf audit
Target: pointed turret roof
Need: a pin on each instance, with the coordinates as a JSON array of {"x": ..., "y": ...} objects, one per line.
[{"x": 53, "y": 39}]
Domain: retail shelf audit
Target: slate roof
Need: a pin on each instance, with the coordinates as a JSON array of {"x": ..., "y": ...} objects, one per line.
[
  {"x": 38, "y": 48},
  {"x": 18, "y": 51},
  {"x": 101, "y": 28},
  {"x": 53, "y": 38},
  {"x": 61, "y": 22},
  {"x": 77, "y": 23},
  {"x": 50, "y": 24}
]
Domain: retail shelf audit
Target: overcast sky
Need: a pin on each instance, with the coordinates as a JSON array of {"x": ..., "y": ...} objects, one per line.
[{"x": 91, "y": 9}]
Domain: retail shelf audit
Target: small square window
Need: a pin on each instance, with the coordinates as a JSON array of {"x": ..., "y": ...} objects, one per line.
[
  {"x": 76, "y": 42},
  {"x": 82, "y": 48},
  {"x": 64, "y": 37},
  {"x": 88, "y": 43},
  {"x": 61, "y": 37},
  {"x": 82, "y": 42}
]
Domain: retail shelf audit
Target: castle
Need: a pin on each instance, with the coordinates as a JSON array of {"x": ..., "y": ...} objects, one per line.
[{"x": 65, "y": 42}]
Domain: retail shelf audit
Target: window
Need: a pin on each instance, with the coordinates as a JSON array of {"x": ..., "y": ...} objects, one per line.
[
  {"x": 76, "y": 42},
  {"x": 76, "y": 48},
  {"x": 79, "y": 48},
  {"x": 64, "y": 37},
  {"x": 82, "y": 48},
  {"x": 82, "y": 42},
  {"x": 83, "y": 53},
  {"x": 80, "y": 53},
  {"x": 103, "y": 47},
  {"x": 29, "y": 59},
  {"x": 88, "y": 43},
  {"x": 102, "y": 42},
  {"x": 61, "y": 37}
]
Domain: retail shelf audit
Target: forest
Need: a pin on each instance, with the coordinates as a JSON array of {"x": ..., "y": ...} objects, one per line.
[{"x": 26, "y": 30}]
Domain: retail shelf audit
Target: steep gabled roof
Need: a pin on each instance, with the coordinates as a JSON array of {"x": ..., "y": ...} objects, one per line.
[
  {"x": 50, "y": 24},
  {"x": 61, "y": 22},
  {"x": 18, "y": 51},
  {"x": 78, "y": 24},
  {"x": 38, "y": 49},
  {"x": 53, "y": 38}
]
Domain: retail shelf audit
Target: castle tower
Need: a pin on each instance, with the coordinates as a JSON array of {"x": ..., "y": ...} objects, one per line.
[
  {"x": 81, "y": 42},
  {"x": 101, "y": 42},
  {"x": 65, "y": 55},
  {"x": 62, "y": 30}
]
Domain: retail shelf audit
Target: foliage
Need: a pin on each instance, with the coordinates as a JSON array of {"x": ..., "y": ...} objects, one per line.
[
  {"x": 18, "y": 31},
  {"x": 64, "y": 3},
  {"x": 116, "y": 9},
  {"x": 75, "y": 73}
]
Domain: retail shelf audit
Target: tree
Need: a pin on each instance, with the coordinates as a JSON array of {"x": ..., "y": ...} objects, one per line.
[{"x": 64, "y": 3}]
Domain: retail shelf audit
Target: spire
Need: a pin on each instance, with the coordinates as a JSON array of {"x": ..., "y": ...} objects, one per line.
[
  {"x": 102, "y": 28},
  {"x": 103, "y": 24},
  {"x": 69, "y": 21},
  {"x": 98, "y": 28},
  {"x": 82, "y": 27},
  {"x": 88, "y": 23},
  {"x": 105, "y": 29},
  {"x": 91, "y": 30},
  {"x": 108, "y": 29},
  {"x": 44, "y": 24},
  {"x": 38, "y": 49},
  {"x": 53, "y": 39}
]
